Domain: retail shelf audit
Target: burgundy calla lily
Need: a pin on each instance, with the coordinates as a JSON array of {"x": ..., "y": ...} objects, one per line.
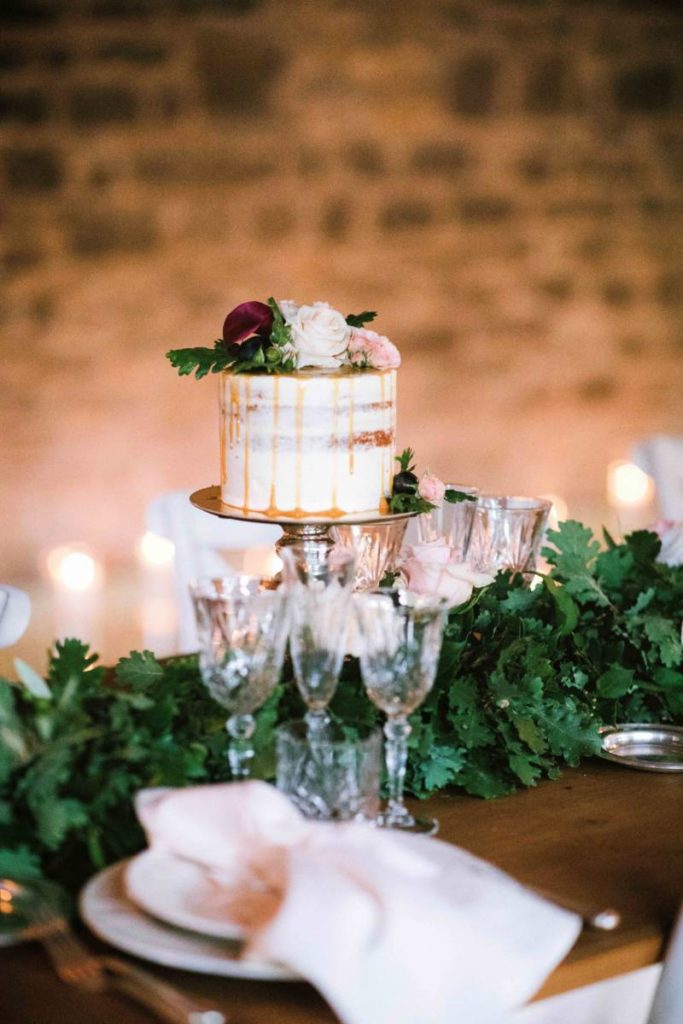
[{"x": 248, "y": 320}]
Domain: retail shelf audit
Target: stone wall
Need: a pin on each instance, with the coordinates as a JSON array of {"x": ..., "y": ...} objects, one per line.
[{"x": 503, "y": 181}]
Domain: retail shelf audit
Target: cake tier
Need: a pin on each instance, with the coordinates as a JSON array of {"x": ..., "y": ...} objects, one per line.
[{"x": 309, "y": 444}]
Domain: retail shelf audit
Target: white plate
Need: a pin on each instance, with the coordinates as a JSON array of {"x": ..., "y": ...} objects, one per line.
[
  {"x": 180, "y": 893},
  {"x": 110, "y": 914}
]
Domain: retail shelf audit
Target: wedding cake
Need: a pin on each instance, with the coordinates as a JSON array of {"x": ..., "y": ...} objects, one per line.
[{"x": 307, "y": 410}]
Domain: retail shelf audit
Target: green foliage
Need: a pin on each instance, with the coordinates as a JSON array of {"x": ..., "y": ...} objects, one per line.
[
  {"x": 200, "y": 361},
  {"x": 274, "y": 356},
  {"x": 360, "y": 319},
  {"x": 454, "y": 497},
  {"x": 526, "y": 678},
  {"x": 404, "y": 496}
]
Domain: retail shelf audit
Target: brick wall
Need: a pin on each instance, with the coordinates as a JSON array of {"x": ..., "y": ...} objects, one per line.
[{"x": 502, "y": 180}]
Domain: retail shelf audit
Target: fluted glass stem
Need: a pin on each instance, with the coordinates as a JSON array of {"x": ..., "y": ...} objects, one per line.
[
  {"x": 396, "y": 730},
  {"x": 241, "y": 750}
]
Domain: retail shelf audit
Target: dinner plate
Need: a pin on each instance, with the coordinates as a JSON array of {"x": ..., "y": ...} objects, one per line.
[
  {"x": 650, "y": 747},
  {"x": 180, "y": 893},
  {"x": 111, "y": 915}
]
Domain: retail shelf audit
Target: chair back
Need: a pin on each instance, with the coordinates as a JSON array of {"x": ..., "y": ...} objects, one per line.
[
  {"x": 15, "y": 613},
  {"x": 203, "y": 545},
  {"x": 661, "y": 457}
]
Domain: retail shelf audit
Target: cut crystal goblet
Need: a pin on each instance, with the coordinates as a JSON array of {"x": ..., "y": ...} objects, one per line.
[
  {"x": 400, "y": 643},
  {"x": 242, "y": 625}
]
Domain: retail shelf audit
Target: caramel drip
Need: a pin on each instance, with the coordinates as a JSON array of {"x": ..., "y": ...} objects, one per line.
[
  {"x": 298, "y": 429},
  {"x": 382, "y": 381},
  {"x": 234, "y": 431},
  {"x": 272, "y": 509},
  {"x": 335, "y": 440},
  {"x": 222, "y": 425},
  {"x": 247, "y": 387},
  {"x": 351, "y": 451}
]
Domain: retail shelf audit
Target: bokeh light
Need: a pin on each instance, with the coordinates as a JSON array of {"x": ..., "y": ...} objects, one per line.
[
  {"x": 153, "y": 549},
  {"x": 628, "y": 486},
  {"x": 73, "y": 567}
]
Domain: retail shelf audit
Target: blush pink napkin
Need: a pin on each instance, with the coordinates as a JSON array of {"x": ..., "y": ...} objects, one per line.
[{"x": 392, "y": 929}]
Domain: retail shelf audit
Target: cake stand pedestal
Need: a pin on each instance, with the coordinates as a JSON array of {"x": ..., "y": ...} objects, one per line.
[{"x": 296, "y": 531}]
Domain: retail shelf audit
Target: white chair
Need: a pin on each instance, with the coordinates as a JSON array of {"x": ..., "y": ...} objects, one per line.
[
  {"x": 661, "y": 457},
  {"x": 667, "y": 1006},
  {"x": 15, "y": 613},
  {"x": 203, "y": 545}
]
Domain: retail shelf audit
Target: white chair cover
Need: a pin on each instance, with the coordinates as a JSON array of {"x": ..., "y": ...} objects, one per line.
[
  {"x": 199, "y": 539},
  {"x": 661, "y": 457},
  {"x": 15, "y": 613}
]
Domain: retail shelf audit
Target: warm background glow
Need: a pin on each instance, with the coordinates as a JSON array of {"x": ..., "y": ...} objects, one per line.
[{"x": 503, "y": 181}]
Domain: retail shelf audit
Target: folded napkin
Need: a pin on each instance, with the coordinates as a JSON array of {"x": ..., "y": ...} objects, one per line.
[{"x": 392, "y": 929}]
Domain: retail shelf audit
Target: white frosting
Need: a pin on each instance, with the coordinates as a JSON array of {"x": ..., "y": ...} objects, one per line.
[{"x": 308, "y": 444}]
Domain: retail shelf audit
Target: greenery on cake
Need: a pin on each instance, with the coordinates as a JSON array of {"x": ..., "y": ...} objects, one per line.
[
  {"x": 282, "y": 337},
  {"x": 410, "y": 493},
  {"x": 526, "y": 678}
]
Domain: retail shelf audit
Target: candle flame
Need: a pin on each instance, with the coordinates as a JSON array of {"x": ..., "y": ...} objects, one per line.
[
  {"x": 628, "y": 485},
  {"x": 72, "y": 567}
]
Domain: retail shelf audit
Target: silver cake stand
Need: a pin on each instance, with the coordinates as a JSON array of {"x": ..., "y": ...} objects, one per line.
[{"x": 377, "y": 539}]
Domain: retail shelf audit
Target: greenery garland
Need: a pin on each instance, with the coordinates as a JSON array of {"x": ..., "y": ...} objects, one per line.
[{"x": 526, "y": 678}]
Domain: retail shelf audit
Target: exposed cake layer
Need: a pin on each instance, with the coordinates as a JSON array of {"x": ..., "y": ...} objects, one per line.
[{"x": 309, "y": 444}]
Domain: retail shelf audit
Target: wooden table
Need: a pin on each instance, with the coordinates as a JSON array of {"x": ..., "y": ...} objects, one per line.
[{"x": 600, "y": 836}]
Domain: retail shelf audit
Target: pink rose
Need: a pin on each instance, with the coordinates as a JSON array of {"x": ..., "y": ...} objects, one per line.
[
  {"x": 430, "y": 569},
  {"x": 367, "y": 348},
  {"x": 431, "y": 488}
]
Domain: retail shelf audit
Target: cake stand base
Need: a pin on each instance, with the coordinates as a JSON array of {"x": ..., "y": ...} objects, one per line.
[{"x": 294, "y": 531}]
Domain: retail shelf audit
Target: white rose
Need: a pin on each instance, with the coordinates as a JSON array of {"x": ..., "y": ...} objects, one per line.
[
  {"x": 288, "y": 309},
  {"x": 321, "y": 335}
]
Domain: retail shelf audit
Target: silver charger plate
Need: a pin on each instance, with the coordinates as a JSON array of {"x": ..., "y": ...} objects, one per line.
[{"x": 644, "y": 745}]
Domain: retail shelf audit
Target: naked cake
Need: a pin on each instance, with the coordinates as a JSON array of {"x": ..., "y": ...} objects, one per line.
[{"x": 307, "y": 411}]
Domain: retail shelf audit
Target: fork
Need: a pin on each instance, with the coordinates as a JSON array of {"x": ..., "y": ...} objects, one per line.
[{"x": 76, "y": 965}]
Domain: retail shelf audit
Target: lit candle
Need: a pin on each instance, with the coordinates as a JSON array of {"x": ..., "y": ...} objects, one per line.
[
  {"x": 77, "y": 578},
  {"x": 630, "y": 492}
]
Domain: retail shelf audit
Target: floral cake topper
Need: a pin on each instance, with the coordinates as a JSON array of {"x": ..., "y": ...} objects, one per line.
[{"x": 282, "y": 337}]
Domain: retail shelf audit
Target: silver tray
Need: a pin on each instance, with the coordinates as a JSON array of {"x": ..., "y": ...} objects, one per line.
[{"x": 650, "y": 747}]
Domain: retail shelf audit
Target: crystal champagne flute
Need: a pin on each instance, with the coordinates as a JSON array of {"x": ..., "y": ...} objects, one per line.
[
  {"x": 319, "y": 579},
  {"x": 400, "y": 643},
  {"x": 242, "y": 624}
]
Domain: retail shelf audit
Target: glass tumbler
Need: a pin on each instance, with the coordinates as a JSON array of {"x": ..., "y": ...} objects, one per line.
[
  {"x": 376, "y": 545},
  {"x": 507, "y": 533},
  {"x": 451, "y": 520},
  {"x": 242, "y": 625},
  {"x": 336, "y": 779}
]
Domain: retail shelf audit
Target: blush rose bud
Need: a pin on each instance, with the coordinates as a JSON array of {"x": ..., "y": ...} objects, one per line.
[{"x": 431, "y": 488}]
